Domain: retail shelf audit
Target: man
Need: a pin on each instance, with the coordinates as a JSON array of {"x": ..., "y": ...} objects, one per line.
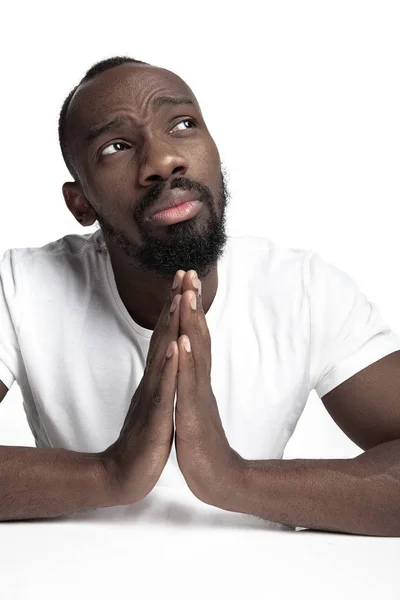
[{"x": 100, "y": 341}]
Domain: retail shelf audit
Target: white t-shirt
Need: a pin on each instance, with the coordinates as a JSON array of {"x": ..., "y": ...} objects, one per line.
[{"x": 283, "y": 323}]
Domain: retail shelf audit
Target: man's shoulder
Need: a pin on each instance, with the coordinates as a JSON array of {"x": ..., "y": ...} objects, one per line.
[
  {"x": 70, "y": 245},
  {"x": 55, "y": 264},
  {"x": 252, "y": 250}
]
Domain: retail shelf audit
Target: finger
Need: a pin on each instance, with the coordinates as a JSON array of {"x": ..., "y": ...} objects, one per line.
[
  {"x": 166, "y": 325},
  {"x": 193, "y": 324},
  {"x": 176, "y": 285},
  {"x": 166, "y": 386},
  {"x": 187, "y": 281},
  {"x": 160, "y": 378},
  {"x": 175, "y": 289},
  {"x": 186, "y": 385},
  {"x": 168, "y": 332},
  {"x": 160, "y": 401},
  {"x": 192, "y": 283}
]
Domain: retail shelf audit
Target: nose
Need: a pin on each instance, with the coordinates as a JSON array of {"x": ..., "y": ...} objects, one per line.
[{"x": 162, "y": 159}]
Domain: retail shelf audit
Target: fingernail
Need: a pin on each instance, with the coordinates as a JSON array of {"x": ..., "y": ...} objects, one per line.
[
  {"x": 193, "y": 302},
  {"x": 197, "y": 285},
  {"x": 186, "y": 344},
  {"x": 177, "y": 279},
  {"x": 173, "y": 304},
  {"x": 170, "y": 350}
]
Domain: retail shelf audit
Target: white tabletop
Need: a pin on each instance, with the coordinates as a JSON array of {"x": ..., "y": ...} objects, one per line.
[{"x": 170, "y": 545}]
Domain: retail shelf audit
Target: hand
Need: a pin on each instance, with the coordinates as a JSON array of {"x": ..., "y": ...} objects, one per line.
[
  {"x": 136, "y": 460},
  {"x": 211, "y": 468}
]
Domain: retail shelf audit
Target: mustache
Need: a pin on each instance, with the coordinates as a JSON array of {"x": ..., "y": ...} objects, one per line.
[{"x": 179, "y": 182}]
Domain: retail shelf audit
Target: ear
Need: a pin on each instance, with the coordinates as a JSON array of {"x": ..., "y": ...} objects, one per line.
[{"x": 78, "y": 205}]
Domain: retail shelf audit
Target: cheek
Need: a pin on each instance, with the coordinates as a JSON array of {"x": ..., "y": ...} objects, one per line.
[
  {"x": 112, "y": 189},
  {"x": 208, "y": 161}
]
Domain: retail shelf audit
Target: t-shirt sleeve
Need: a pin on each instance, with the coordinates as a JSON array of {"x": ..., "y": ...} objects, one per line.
[
  {"x": 10, "y": 356},
  {"x": 347, "y": 331}
]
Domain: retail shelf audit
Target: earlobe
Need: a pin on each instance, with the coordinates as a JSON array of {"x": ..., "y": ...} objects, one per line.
[{"x": 77, "y": 204}]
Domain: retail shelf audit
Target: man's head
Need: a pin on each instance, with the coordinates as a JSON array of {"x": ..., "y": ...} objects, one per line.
[{"x": 131, "y": 134}]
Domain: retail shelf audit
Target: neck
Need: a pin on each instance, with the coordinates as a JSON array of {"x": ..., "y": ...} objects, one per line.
[{"x": 144, "y": 294}]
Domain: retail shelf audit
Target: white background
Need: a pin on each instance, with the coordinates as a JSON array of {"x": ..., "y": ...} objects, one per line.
[{"x": 301, "y": 97}]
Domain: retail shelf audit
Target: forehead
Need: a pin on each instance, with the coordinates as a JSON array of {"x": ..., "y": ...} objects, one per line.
[{"x": 127, "y": 87}]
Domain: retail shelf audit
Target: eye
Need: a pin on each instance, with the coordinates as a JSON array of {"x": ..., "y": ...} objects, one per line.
[
  {"x": 191, "y": 122},
  {"x": 114, "y": 148}
]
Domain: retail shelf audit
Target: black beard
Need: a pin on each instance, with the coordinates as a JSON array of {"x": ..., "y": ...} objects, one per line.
[{"x": 187, "y": 246}]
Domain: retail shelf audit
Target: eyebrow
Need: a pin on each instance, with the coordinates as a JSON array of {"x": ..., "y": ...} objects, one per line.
[
  {"x": 120, "y": 121},
  {"x": 111, "y": 126},
  {"x": 163, "y": 100}
]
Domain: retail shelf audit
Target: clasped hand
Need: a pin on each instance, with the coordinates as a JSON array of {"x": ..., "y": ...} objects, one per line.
[
  {"x": 135, "y": 461},
  {"x": 208, "y": 463}
]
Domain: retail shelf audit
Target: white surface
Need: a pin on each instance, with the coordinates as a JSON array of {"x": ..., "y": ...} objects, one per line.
[{"x": 170, "y": 545}]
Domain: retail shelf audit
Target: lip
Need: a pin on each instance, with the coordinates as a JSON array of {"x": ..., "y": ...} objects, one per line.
[
  {"x": 172, "y": 198},
  {"x": 177, "y": 213}
]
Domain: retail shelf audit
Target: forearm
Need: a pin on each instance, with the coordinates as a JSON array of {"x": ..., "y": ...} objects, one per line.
[
  {"x": 50, "y": 482},
  {"x": 359, "y": 495}
]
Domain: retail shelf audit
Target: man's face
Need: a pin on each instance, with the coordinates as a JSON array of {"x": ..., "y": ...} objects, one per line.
[{"x": 132, "y": 149}]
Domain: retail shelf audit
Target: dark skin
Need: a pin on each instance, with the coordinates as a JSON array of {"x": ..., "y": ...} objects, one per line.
[
  {"x": 115, "y": 184},
  {"x": 357, "y": 495}
]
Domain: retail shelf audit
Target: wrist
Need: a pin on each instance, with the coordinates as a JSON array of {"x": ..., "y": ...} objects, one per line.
[
  {"x": 250, "y": 488},
  {"x": 235, "y": 486},
  {"x": 113, "y": 476},
  {"x": 128, "y": 479},
  {"x": 110, "y": 476}
]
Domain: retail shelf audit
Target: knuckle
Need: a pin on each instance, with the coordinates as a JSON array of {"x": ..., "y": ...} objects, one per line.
[
  {"x": 150, "y": 363},
  {"x": 157, "y": 396}
]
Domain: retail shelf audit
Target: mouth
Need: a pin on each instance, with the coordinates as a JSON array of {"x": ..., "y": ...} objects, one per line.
[{"x": 175, "y": 206}]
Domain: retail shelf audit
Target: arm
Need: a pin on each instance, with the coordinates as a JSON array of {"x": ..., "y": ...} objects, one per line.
[
  {"x": 36, "y": 482},
  {"x": 359, "y": 495},
  {"x": 49, "y": 482}
]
